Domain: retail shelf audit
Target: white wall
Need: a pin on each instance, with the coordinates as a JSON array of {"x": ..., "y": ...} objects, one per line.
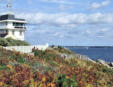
[
  {"x": 6, "y": 25},
  {"x": 18, "y": 36},
  {"x": 10, "y": 25},
  {"x": 27, "y": 49}
]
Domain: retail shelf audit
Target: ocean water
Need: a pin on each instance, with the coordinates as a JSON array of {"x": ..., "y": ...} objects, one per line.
[{"x": 104, "y": 53}]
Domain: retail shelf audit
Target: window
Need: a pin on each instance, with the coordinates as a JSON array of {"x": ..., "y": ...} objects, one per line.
[
  {"x": 18, "y": 25},
  {"x": 3, "y": 31},
  {"x": 6, "y": 23},
  {"x": 6, "y": 31}
]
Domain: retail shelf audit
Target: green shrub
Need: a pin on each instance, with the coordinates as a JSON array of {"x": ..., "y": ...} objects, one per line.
[
  {"x": 12, "y": 42},
  {"x": 39, "y": 53},
  {"x": 52, "y": 46},
  {"x": 12, "y": 57},
  {"x": 49, "y": 56},
  {"x": 20, "y": 60},
  {"x": 60, "y": 47},
  {"x": 2, "y": 67},
  {"x": 3, "y": 42},
  {"x": 66, "y": 82},
  {"x": 53, "y": 63},
  {"x": 43, "y": 54},
  {"x": 107, "y": 70},
  {"x": 1, "y": 54}
]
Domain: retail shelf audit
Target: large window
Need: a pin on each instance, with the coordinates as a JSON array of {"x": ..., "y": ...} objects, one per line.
[
  {"x": 3, "y": 23},
  {"x": 18, "y": 24}
]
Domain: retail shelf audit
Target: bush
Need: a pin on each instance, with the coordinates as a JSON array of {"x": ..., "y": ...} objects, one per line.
[
  {"x": 60, "y": 47},
  {"x": 12, "y": 42},
  {"x": 52, "y": 46},
  {"x": 3, "y": 42},
  {"x": 107, "y": 70},
  {"x": 63, "y": 81},
  {"x": 2, "y": 67},
  {"x": 43, "y": 54},
  {"x": 21, "y": 60}
]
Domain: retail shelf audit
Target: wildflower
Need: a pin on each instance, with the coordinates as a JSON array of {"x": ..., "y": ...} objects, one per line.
[
  {"x": 44, "y": 79},
  {"x": 1, "y": 83},
  {"x": 10, "y": 67}
]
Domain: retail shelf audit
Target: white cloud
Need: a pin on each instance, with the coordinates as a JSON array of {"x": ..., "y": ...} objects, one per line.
[
  {"x": 65, "y": 7},
  {"x": 96, "y": 5},
  {"x": 67, "y": 20},
  {"x": 59, "y": 1},
  {"x": 30, "y": 1}
]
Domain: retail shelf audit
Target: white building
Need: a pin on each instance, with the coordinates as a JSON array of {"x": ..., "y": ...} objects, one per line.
[{"x": 12, "y": 27}]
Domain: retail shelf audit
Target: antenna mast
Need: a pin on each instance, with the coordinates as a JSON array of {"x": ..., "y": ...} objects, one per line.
[{"x": 9, "y": 6}]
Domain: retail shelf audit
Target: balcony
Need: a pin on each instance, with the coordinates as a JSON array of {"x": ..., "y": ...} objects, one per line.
[{"x": 20, "y": 27}]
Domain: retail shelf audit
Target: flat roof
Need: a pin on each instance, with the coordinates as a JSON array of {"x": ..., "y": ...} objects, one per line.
[{"x": 10, "y": 17}]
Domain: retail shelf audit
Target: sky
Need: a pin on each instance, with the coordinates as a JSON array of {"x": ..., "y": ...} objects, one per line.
[{"x": 65, "y": 22}]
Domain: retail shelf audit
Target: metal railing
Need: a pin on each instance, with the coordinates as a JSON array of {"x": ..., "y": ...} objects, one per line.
[{"x": 20, "y": 27}]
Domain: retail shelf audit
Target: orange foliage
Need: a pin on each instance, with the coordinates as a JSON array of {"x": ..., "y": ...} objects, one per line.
[{"x": 10, "y": 67}]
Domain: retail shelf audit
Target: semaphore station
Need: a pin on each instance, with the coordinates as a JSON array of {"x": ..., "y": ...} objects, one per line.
[{"x": 12, "y": 27}]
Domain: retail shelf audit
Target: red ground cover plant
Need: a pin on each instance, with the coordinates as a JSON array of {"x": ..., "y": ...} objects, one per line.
[{"x": 49, "y": 69}]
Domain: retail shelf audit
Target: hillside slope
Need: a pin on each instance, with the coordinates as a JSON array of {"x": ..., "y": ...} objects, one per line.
[
  {"x": 50, "y": 69},
  {"x": 12, "y": 42}
]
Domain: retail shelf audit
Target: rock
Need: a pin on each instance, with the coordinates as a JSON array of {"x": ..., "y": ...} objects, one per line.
[
  {"x": 64, "y": 55},
  {"x": 111, "y": 64},
  {"x": 102, "y": 62}
]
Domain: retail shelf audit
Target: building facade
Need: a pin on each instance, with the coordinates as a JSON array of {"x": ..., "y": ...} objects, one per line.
[{"x": 12, "y": 27}]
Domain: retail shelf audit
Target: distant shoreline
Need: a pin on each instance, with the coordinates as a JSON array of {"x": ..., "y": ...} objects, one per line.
[
  {"x": 94, "y": 52},
  {"x": 90, "y": 46}
]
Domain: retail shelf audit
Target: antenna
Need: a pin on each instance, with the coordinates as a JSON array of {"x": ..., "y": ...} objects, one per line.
[{"x": 9, "y": 6}]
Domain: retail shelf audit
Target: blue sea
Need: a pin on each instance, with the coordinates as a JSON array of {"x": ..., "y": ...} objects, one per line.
[{"x": 104, "y": 53}]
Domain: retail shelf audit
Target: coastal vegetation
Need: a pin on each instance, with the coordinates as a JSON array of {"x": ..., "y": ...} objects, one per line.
[
  {"x": 12, "y": 42},
  {"x": 50, "y": 69}
]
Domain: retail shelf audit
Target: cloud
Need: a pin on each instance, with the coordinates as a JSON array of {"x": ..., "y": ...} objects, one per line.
[
  {"x": 63, "y": 7},
  {"x": 67, "y": 20},
  {"x": 96, "y": 5},
  {"x": 30, "y": 1},
  {"x": 75, "y": 36},
  {"x": 93, "y": 32},
  {"x": 59, "y": 1}
]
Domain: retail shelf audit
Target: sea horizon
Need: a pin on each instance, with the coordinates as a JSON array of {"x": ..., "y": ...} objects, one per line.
[{"x": 94, "y": 52}]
